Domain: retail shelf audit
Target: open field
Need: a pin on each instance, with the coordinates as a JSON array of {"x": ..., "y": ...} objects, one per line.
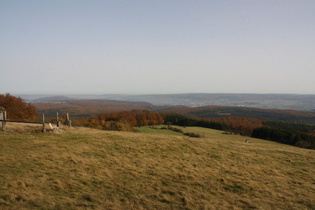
[{"x": 83, "y": 168}]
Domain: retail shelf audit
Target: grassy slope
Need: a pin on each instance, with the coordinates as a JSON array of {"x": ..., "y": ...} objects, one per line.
[{"x": 85, "y": 168}]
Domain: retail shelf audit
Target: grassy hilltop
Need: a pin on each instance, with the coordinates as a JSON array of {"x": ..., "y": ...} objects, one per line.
[{"x": 83, "y": 168}]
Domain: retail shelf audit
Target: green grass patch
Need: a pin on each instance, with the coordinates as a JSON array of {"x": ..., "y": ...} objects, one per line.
[{"x": 156, "y": 130}]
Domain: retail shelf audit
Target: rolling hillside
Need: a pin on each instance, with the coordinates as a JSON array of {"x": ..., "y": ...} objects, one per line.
[
  {"x": 85, "y": 108},
  {"x": 83, "y": 168}
]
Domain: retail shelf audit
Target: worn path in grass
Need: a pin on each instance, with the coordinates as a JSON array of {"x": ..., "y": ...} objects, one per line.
[{"x": 85, "y": 168}]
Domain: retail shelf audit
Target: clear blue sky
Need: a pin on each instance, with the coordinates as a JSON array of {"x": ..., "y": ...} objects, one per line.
[{"x": 157, "y": 46}]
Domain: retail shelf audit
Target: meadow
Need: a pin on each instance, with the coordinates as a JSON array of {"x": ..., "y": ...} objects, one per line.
[{"x": 82, "y": 168}]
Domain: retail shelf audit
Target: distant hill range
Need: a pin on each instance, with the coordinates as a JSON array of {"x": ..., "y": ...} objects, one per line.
[
  {"x": 88, "y": 107},
  {"x": 290, "y": 108},
  {"x": 51, "y": 98},
  {"x": 266, "y": 101}
]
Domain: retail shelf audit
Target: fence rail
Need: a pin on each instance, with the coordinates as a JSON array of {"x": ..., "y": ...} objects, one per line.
[
  {"x": 16, "y": 121},
  {"x": 4, "y": 120}
]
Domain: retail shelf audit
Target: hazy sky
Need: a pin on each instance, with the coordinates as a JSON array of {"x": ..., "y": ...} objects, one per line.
[{"x": 157, "y": 46}]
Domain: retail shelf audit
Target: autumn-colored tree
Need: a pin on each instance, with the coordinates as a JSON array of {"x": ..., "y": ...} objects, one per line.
[
  {"x": 17, "y": 108},
  {"x": 122, "y": 121}
]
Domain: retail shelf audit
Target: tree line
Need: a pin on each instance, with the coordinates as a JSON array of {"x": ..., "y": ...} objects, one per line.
[
  {"x": 292, "y": 137},
  {"x": 17, "y": 108}
]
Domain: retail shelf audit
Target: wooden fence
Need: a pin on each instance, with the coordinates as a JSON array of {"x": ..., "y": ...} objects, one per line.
[{"x": 4, "y": 120}]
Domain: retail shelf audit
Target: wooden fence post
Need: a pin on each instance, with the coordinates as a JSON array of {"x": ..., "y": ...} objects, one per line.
[
  {"x": 58, "y": 122},
  {"x": 1, "y": 118},
  {"x": 68, "y": 120},
  {"x": 44, "y": 126},
  {"x": 4, "y": 115}
]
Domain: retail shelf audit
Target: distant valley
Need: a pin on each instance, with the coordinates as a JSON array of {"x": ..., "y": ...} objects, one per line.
[{"x": 265, "y": 101}]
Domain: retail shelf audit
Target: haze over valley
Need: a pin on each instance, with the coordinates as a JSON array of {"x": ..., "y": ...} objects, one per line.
[{"x": 267, "y": 101}]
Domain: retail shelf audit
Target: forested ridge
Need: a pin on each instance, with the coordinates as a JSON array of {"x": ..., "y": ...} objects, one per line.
[{"x": 293, "y": 116}]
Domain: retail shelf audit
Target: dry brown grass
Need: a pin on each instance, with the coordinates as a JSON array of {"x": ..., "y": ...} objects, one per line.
[{"x": 90, "y": 169}]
